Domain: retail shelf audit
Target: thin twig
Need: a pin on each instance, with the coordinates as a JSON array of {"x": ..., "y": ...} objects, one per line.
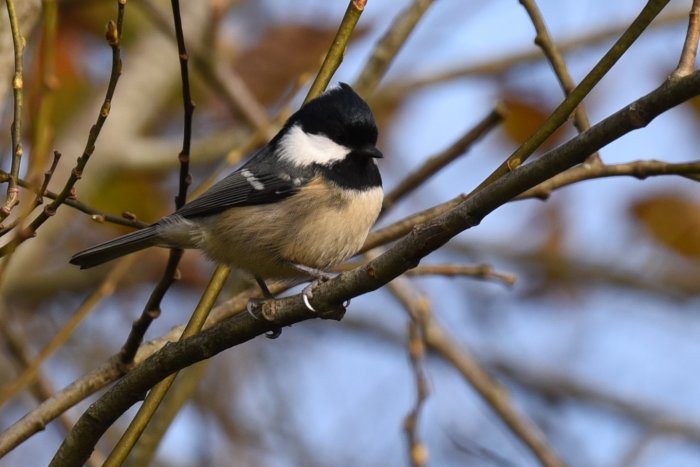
[
  {"x": 686, "y": 64},
  {"x": 638, "y": 169},
  {"x": 483, "y": 271},
  {"x": 12, "y": 198},
  {"x": 184, "y": 156},
  {"x": 48, "y": 175},
  {"x": 544, "y": 40},
  {"x": 108, "y": 372},
  {"x": 38, "y": 197},
  {"x": 437, "y": 339},
  {"x": 156, "y": 395},
  {"x": 152, "y": 308},
  {"x": 335, "y": 54},
  {"x": 500, "y": 65},
  {"x": 417, "y": 450},
  {"x": 559, "y": 116},
  {"x": 43, "y": 125},
  {"x": 127, "y": 220},
  {"x": 30, "y": 373},
  {"x": 389, "y": 45},
  {"x": 226, "y": 83},
  {"x": 113, "y": 35},
  {"x": 148, "y": 408},
  {"x": 40, "y": 388},
  {"x": 439, "y": 161}
]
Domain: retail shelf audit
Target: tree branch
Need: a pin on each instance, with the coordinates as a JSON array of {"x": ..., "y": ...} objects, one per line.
[
  {"x": 558, "y": 117},
  {"x": 555, "y": 58},
  {"x": 12, "y": 197},
  {"x": 686, "y": 64},
  {"x": 405, "y": 254},
  {"x": 113, "y": 36},
  {"x": 439, "y": 161},
  {"x": 389, "y": 45}
]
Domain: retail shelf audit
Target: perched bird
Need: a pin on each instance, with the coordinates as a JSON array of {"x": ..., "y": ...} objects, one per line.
[{"x": 300, "y": 205}]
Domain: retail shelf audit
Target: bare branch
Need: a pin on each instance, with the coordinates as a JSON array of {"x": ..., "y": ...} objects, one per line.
[
  {"x": 337, "y": 50},
  {"x": 389, "y": 46},
  {"x": 686, "y": 64},
  {"x": 417, "y": 450},
  {"x": 637, "y": 169},
  {"x": 434, "y": 164},
  {"x": 483, "y": 271},
  {"x": 558, "y": 117},
  {"x": 12, "y": 197},
  {"x": 494, "y": 394},
  {"x": 113, "y": 36},
  {"x": 106, "y": 288},
  {"x": 555, "y": 58}
]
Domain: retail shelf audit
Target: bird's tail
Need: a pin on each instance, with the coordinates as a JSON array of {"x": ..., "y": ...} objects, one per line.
[{"x": 112, "y": 249}]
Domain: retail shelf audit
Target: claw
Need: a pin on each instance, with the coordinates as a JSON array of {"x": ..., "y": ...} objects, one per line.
[
  {"x": 306, "y": 294},
  {"x": 253, "y": 306}
]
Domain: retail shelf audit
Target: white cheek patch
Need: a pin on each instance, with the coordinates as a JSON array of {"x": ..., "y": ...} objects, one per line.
[{"x": 304, "y": 149}]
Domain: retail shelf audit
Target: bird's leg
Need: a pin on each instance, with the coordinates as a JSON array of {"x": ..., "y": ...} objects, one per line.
[
  {"x": 318, "y": 274},
  {"x": 256, "y": 303},
  {"x": 263, "y": 286}
]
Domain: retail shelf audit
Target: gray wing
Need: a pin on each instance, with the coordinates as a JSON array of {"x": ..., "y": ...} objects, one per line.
[{"x": 243, "y": 187}]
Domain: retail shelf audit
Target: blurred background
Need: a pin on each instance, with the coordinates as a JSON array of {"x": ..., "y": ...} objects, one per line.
[{"x": 596, "y": 340}]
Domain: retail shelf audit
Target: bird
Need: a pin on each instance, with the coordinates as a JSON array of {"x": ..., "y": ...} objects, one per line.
[{"x": 298, "y": 206}]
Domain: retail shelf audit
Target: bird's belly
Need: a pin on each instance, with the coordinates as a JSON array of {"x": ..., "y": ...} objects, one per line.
[{"x": 312, "y": 229}]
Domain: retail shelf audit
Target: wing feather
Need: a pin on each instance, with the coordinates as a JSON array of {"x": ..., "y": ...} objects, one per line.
[{"x": 241, "y": 188}]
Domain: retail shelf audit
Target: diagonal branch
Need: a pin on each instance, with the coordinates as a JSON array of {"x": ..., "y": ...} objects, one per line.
[
  {"x": 562, "y": 112},
  {"x": 12, "y": 198},
  {"x": 113, "y": 34},
  {"x": 439, "y": 161},
  {"x": 152, "y": 308},
  {"x": 555, "y": 58},
  {"x": 389, "y": 45},
  {"x": 335, "y": 54},
  {"x": 405, "y": 254},
  {"x": 686, "y": 64}
]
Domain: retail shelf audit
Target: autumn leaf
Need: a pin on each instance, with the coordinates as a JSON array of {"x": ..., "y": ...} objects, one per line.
[
  {"x": 523, "y": 117},
  {"x": 283, "y": 54},
  {"x": 672, "y": 220}
]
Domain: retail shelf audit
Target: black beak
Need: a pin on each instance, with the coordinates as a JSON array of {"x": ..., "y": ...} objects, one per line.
[{"x": 372, "y": 152}]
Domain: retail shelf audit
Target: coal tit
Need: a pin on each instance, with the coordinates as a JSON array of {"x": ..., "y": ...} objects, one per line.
[{"x": 300, "y": 205}]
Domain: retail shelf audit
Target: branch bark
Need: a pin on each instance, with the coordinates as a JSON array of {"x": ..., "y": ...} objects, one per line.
[{"x": 405, "y": 254}]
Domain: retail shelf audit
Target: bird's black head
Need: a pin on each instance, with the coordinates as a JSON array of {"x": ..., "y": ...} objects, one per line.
[
  {"x": 341, "y": 115},
  {"x": 335, "y": 134}
]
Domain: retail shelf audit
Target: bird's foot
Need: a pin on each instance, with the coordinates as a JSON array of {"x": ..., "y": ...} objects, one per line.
[
  {"x": 254, "y": 307},
  {"x": 307, "y": 295}
]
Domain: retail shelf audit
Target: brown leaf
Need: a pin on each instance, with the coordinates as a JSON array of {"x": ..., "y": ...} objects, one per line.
[
  {"x": 140, "y": 193},
  {"x": 673, "y": 220},
  {"x": 523, "y": 117},
  {"x": 694, "y": 104},
  {"x": 283, "y": 54}
]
